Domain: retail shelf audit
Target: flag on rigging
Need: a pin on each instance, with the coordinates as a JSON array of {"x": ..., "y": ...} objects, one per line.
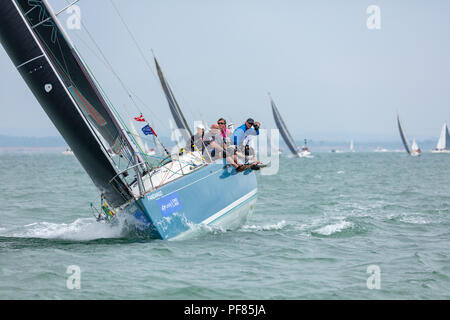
[
  {"x": 148, "y": 130},
  {"x": 140, "y": 118}
]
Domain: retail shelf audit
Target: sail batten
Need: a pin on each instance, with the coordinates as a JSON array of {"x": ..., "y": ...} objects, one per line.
[
  {"x": 283, "y": 129},
  {"x": 49, "y": 66}
]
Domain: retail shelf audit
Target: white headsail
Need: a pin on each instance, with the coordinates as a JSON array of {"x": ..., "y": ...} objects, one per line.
[{"x": 444, "y": 139}]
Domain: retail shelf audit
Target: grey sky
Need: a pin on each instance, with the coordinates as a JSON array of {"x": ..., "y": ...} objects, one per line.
[{"x": 330, "y": 76}]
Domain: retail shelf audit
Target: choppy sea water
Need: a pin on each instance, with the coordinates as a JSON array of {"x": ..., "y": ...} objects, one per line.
[{"x": 337, "y": 226}]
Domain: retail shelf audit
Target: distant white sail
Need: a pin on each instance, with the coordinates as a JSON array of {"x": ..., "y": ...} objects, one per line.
[
  {"x": 415, "y": 150},
  {"x": 352, "y": 147},
  {"x": 444, "y": 139},
  {"x": 414, "y": 146}
]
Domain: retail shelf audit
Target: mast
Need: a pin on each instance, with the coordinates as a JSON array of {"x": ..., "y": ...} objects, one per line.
[
  {"x": 53, "y": 70},
  {"x": 177, "y": 114},
  {"x": 283, "y": 129},
  {"x": 403, "y": 135}
]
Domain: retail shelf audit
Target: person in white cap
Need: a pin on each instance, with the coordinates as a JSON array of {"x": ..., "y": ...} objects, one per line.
[{"x": 197, "y": 139}]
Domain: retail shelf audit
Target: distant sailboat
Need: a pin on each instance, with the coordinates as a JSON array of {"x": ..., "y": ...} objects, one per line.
[
  {"x": 413, "y": 150},
  {"x": 443, "y": 145},
  {"x": 283, "y": 130},
  {"x": 352, "y": 147}
]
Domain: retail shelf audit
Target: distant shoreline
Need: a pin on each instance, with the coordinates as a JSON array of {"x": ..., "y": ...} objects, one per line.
[{"x": 32, "y": 149}]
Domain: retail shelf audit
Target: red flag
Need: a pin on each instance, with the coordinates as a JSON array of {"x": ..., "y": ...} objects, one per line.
[{"x": 140, "y": 118}]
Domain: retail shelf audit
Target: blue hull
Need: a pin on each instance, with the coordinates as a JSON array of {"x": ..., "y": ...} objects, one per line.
[{"x": 212, "y": 195}]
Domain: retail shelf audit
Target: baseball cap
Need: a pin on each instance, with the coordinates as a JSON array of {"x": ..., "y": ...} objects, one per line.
[{"x": 250, "y": 121}]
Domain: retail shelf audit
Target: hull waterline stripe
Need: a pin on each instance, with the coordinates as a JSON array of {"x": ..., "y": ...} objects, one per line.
[
  {"x": 229, "y": 207},
  {"x": 222, "y": 212}
]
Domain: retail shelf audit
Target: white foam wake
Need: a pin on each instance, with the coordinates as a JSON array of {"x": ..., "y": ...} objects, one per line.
[
  {"x": 334, "y": 228},
  {"x": 277, "y": 226},
  {"x": 80, "y": 230}
]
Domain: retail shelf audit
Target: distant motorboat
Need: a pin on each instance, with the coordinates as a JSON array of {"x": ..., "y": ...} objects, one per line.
[
  {"x": 68, "y": 152},
  {"x": 414, "y": 150},
  {"x": 443, "y": 145},
  {"x": 380, "y": 149},
  {"x": 305, "y": 152}
]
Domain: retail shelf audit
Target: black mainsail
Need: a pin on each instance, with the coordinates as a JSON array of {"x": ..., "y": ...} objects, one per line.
[
  {"x": 403, "y": 135},
  {"x": 283, "y": 129},
  {"x": 177, "y": 114},
  {"x": 52, "y": 69}
]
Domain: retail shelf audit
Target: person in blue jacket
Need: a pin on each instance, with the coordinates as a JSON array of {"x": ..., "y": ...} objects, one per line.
[
  {"x": 241, "y": 135},
  {"x": 250, "y": 127}
]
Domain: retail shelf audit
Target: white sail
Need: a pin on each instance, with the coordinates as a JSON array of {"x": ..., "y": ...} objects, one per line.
[
  {"x": 414, "y": 146},
  {"x": 352, "y": 147},
  {"x": 443, "y": 142},
  {"x": 415, "y": 150}
]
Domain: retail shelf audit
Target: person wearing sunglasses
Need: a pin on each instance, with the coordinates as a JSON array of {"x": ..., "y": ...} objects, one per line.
[
  {"x": 242, "y": 136},
  {"x": 224, "y": 131}
]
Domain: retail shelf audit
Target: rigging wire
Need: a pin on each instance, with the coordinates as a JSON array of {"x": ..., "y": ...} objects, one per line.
[
  {"x": 130, "y": 94},
  {"x": 136, "y": 43},
  {"x": 139, "y": 100},
  {"x": 108, "y": 65},
  {"x": 133, "y": 38}
]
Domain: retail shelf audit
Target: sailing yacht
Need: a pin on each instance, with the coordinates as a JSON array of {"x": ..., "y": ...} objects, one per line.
[
  {"x": 164, "y": 200},
  {"x": 352, "y": 147},
  {"x": 412, "y": 150},
  {"x": 304, "y": 152},
  {"x": 415, "y": 150},
  {"x": 443, "y": 145}
]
